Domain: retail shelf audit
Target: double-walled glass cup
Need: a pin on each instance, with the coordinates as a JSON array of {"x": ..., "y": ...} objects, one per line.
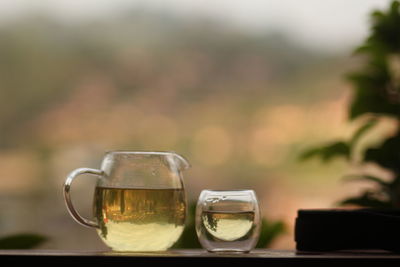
[
  {"x": 139, "y": 202},
  {"x": 228, "y": 221}
]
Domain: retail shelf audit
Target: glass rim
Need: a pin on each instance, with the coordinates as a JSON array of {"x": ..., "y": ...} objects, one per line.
[
  {"x": 184, "y": 163},
  {"x": 140, "y": 152},
  {"x": 227, "y": 193},
  {"x": 228, "y": 190}
]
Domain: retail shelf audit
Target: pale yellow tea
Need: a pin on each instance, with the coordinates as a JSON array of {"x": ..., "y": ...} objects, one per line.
[
  {"x": 138, "y": 219},
  {"x": 228, "y": 226}
]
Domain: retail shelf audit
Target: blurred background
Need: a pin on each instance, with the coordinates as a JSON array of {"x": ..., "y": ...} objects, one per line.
[{"x": 240, "y": 88}]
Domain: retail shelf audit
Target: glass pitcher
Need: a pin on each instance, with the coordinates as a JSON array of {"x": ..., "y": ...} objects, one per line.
[{"x": 139, "y": 202}]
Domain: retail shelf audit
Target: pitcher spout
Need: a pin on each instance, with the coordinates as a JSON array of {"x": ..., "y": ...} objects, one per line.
[{"x": 181, "y": 162}]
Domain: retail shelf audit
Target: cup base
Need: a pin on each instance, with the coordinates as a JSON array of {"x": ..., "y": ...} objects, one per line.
[{"x": 228, "y": 251}]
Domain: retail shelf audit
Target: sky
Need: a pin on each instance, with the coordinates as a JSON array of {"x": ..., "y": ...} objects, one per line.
[{"x": 327, "y": 24}]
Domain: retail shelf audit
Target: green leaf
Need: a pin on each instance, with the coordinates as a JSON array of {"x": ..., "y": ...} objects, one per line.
[
  {"x": 21, "y": 241},
  {"x": 372, "y": 91},
  {"x": 387, "y": 154},
  {"x": 384, "y": 30},
  {"x": 377, "y": 15},
  {"x": 376, "y": 92},
  {"x": 371, "y": 94},
  {"x": 367, "y": 178},
  {"x": 269, "y": 231},
  {"x": 362, "y": 130},
  {"x": 188, "y": 238},
  {"x": 367, "y": 199},
  {"x": 328, "y": 152}
]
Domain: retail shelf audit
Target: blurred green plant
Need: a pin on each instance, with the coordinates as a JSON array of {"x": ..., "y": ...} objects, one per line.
[
  {"x": 376, "y": 95},
  {"x": 270, "y": 230},
  {"x": 21, "y": 241}
]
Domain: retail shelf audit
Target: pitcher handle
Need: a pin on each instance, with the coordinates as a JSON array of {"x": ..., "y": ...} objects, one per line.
[{"x": 67, "y": 197}]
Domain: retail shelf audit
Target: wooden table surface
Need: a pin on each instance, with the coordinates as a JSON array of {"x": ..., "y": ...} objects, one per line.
[{"x": 259, "y": 257}]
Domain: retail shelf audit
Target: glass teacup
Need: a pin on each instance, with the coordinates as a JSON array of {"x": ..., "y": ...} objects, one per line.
[{"x": 228, "y": 221}]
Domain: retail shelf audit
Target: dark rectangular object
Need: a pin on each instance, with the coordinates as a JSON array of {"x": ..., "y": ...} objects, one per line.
[{"x": 359, "y": 229}]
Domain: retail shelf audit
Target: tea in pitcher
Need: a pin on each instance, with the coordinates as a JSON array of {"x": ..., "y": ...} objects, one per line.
[
  {"x": 139, "y": 219},
  {"x": 139, "y": 201}
]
